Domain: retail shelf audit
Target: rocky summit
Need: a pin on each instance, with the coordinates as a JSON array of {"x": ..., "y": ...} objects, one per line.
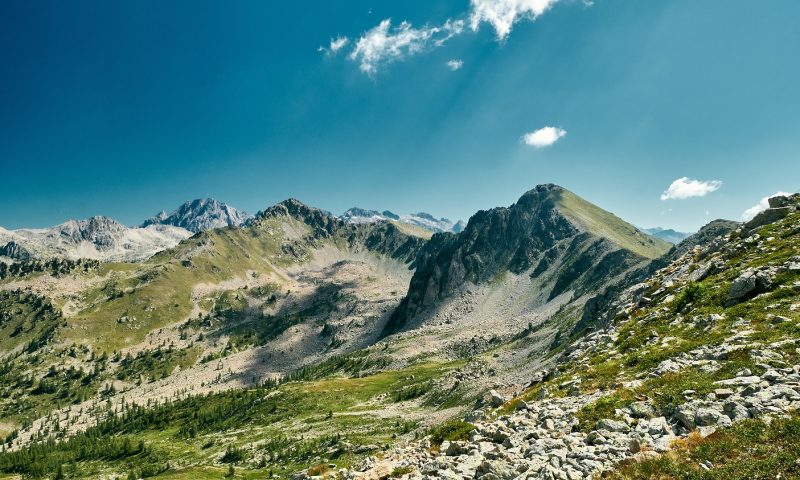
[
  {"x": 99, "y": 238},
  {"x": 200, "y": 215},
  {"x": 548, "y": 339}
]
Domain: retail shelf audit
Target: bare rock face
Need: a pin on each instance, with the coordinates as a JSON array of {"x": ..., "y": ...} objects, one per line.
[
  {"x": 536, "y": 235},
  {"x": 749, "y": 283},
  {"x": 201, "y": 215},
  {"x": 14, "y": 251},
  {"x": 769, "y": 215},
  {"x": 779, "y": 207}
]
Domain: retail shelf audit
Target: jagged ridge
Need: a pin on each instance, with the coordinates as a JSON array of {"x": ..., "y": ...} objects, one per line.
[{"x": 547, "y": 228}]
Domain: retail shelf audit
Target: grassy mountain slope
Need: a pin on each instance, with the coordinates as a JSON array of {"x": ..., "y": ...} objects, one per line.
[
  {"x": 227, "y": 308},
  {"x": 607, "y": 225}
]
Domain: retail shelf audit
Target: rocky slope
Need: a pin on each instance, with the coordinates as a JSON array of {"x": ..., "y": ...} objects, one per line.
[
  {"x": 200, "y": 215},
  {"x": 565, "y": 245},
  {"x": 701, "y": 356},
  {"x": 598, "y": 309},
  {"x": 98, "y": 238}
]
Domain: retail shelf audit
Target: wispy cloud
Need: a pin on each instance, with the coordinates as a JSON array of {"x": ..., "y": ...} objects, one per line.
[
  {"x": 759, "y": 207},
  {"x": 455, "y": 64},
  {"x": 686, "y": 187},
  {"x": 384, "y": 44},
  {"x": 503, "y": 14},
  {"x": 339, "y": 43},
  {"x": 544, "y": 137},
  {"x": 336, "y": 44}
]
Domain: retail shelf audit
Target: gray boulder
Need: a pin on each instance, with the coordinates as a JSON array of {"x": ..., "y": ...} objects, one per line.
[
  {"x": 770, "y": 215},
  {"x": 612, "y": 425},
  {"x": 780, "y": 201},
  {"x": 495, "y": 470},
  {"x": 642, "y": 409},
  {"x": 495, "y": 399},
  {"x": 706, "y": 416},
  {"x": 685, "y": 415},
  {"x": 747, "y": 284}
]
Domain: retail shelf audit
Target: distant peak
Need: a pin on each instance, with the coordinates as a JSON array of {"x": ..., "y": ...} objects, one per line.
[
  {"x": 292, "y": 207},
  {"x": 361, "y": 212},
  {"x": 321, "y": 221},
  {"x": 199, "y": 215},
  {"x": 421, "y": 219}
]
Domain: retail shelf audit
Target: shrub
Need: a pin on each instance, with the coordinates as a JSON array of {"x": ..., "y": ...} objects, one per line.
[
  {"x": 400, "y": 471},
  {"x": 690, "y": 294},
  {"x": 232, "y": 455},
  {"x": 451, "y": 430},
  {"x": 317, "y": 470}
]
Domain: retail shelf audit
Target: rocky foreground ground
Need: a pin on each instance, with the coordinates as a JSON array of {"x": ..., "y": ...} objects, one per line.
[{"x": 542, "y": 439}]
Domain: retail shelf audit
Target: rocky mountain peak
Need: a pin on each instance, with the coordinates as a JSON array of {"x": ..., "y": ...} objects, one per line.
[
  {"x": 200, "y": 215},
  {"x": 322, "y": 222},
  {"x": 98, "y": 230},
  {"x": 549, "y": 232}
]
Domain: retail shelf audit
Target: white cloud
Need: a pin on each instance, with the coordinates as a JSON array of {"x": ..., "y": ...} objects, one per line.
[
  {"x": 337, "y": 44},
  {"x": 384, "y": 44},
  {"x": 455, "y": 64},
  {"x": 762, "y": 205},
  {"x": 503, "y": 14},
  {"x": 686, "y": 187},
  {"x": 544, "y": 137}
]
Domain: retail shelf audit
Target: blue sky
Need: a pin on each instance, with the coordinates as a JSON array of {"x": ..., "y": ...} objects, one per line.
[{"x": 127, "y": 108}]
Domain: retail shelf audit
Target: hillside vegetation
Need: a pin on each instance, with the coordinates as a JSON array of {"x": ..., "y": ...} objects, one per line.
[{"x": 548, "y": 339}]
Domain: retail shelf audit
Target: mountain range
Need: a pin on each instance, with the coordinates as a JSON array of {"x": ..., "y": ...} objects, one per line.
[
  {"x": 421, "y": 219},
  {"x": 105, "y": 239},
  {"x": 667, "y": 234},
  {"x": 549, "y": 337},
  {"x": 100, "y": 238}
]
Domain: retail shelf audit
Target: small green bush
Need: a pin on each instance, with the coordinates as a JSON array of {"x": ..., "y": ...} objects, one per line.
[
  {"x": 451, "y": 430},
  {"x": 690, "y": 294},
  {"x": 232, "y": 455},
  {"x": 400, "y": 471}
]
